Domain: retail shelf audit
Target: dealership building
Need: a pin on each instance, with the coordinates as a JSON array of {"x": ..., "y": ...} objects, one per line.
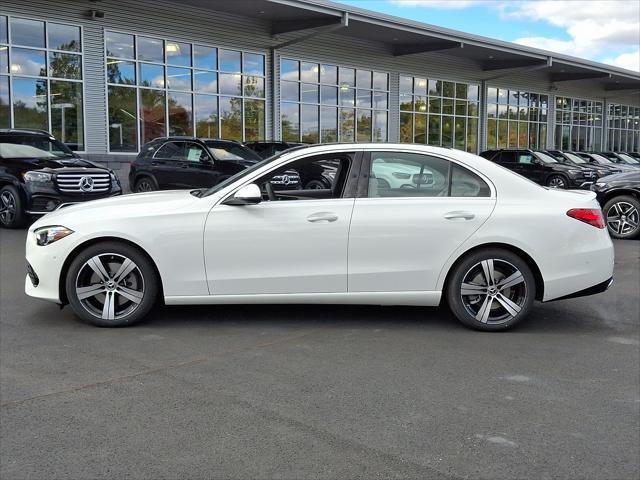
[{"x": 107, "y": 76}]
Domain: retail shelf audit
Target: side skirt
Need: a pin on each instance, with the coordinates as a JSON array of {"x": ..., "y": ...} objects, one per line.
[{"x": 428, "y": 299}]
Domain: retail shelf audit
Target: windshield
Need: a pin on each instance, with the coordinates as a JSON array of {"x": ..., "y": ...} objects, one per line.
[
  {"x": 230, "y": 151},
  {"x": 600, "y": 159},
  {"x": 32, "y": 146},
  {"x": 545, "y": 157},
  {"x": 627, "y": 158},
  {"x": 575, "y": 158}
]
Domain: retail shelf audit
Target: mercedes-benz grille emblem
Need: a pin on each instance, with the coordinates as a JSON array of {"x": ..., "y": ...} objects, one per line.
[
  {"x": 286, "y": 180},
  {"x": 86, "y": 184}
]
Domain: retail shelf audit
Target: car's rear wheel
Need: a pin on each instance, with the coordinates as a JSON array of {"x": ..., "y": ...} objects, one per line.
[
  {"x": 12, "y": 213},
  {"x": 111, "y": 284},
  {"x": 557, "y": 181},
  {"x": 623, "y": 216},
  {"x": 145, "y": 184},
  {"x": 491, "y": 290}
]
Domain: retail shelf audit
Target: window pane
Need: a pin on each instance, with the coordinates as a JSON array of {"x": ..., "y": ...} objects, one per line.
[
  {"x": 420, "y": 135},
  {"x": 363, "y": 78},
  {"x": 65, "y": 65},
  {"x": 472, "y": 135},
  {"x": 329, "y": 95},
  {"x": 67, "y": 123},
  {"x": 5, "y": 110},
  {"x": 290, "y": 118},
  {"x": 231, "y": 83},
  {"x": 205, "y": 81},
  {"x": 179, "y": 78},
  {"x": 447, "y": 131},
  {"x": 150, "y": 49},
  {"x": 206, "y": 113},
  {"x": 396, "y": 174},
  {"x": 30, "y": 103},
  {"x": 435, "y": 87},
  {"x": 364, "y": 126},
  {"x": 229, "y": 61},
  {"x": 347, "y": 96},
  {"x": 25, "y": 61},
  {"x": 29, "y": 33},
  {"x": 119, "y": 45},
  {"x": 178, "y": 53},
  {"x": 309, "y": 72},
  {"x": 3, "y": 29},
  {"x": 363, "y": 98},
  {"x": 380, "y": 100},
  {"x": 231, "y": 118},
  {"x": 309, "y": 124},
  {"x": 379, "y": 126},
  {"x": 205, "y": 57},
  {"x": 380, "y": 81},
  {"x": 151, "y": 75},
  {"x": 460, "y": 134},
  {"x": 406, "y": 84},
  {"x": 329, "y": 74},
  {"x": 448, "y": 89},
  {"x": 406, "y": 127},
  {"x": 492, "y": 133},
  {"x": 435, "y": 105},
  {"x": 180, "y": 114},
  {"x": 4, "y": 59},
  {"x": 253, "y": 64},
  {"x": 461, "y": 90},
  {"x": 406, "y": 102},
  {"x": 435, "y": 137},
  {"x": 254, "y": 86},
  {"x": 64, "y": 37},
  {"x": 420, "y": 86},
  {"x": 465, "y": 183},
  {"x": 347, "y": 125},
  {"x": 309, "y": 93},
  {"x": 472, "y": 109},
  {"x": 121, "y": 71},
  {"x": 290, "y": 91},
  {"x": 122, "y": 119},
  {"x": 347, "y": 76},
  {"x": 473, "y": 92},
  {"x": 152, "y": 114},
  {"x": 289, "y": 70},
  {"x": 254, "y": 120},
  {"x": 328, "y": 124}
]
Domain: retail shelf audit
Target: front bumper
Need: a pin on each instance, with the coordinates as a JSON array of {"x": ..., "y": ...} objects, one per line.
[{"x": 43, "y": 199}]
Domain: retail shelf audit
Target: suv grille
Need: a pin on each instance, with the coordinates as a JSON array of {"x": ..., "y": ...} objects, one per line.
[
  {"x": 590, "y": 174},
  {"x": 83, "y": 182}
]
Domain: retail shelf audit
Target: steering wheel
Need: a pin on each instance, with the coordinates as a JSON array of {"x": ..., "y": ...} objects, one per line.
[{"x": 270, "y": 193}]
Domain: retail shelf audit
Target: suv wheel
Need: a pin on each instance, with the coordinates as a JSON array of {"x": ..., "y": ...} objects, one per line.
[
  {"x": 315, "y": 185},
  {"x": 556, "y": 181},
  {"x": 623, "y": 216},
  {"x": 491, "y": 290},
  {"x": 11, "y": 212},
  {"x": 145, "y": 184},
  {"x": 111, "y": 284}
]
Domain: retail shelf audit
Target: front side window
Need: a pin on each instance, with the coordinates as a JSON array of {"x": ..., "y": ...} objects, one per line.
[
  {"x": 171, "y": 151},
  {"x": 182, "y": 89},
  {"x": 41, "y": 78}
]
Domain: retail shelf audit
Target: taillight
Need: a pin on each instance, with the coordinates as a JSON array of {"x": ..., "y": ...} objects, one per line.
[{"x": 592, "y": 216}]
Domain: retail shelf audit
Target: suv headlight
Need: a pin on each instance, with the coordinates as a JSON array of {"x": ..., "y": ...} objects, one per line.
[
  {"x": 599, "y": 186},
  {"x": 38, "y": 177},
  {"x": 575, "y": 172},
  {"x": 47, "y": 235},
  {"x": 114, "y": 179}
]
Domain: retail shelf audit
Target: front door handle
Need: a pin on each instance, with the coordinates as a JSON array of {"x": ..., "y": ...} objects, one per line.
[
  {"x": 322, "y": 217},
  {"x": 459, "y": 215}
]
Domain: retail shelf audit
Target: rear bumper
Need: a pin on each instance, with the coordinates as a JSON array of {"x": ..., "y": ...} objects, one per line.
[{"x": 593, "y": 290}]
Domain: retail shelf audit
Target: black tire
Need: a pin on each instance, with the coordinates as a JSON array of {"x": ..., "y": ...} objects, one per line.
[
  {"x": 12, "y": 214},
  {"x": 141, "y": 283},
  {"x": 622, "y": 215},
  {"x": 467, "y": 306},
  {"x": 557, "y": 181},
  {"x": 316, "y": 185},
  {"x": 145, "y": 184}
]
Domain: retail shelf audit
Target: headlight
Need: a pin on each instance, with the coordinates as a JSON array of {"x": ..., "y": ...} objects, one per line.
[
  {"x": 40, "y": 177},
  {"x": 46, "y": 235},
  {"x": 575, "y": 172},
  {"x": 114, "y": 179},
  {"x": 599, "y": 186}
]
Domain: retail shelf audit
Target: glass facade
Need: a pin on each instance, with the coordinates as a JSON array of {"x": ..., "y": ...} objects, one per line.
[
  {"x": 516, "y": 119},
  {"x": 624, "y": 128},
  {"x": 437, "y": 112},
  {"x": 41, "y": 78},
  {"x": 160, "y": 87},
  {"x": 330, "y": 103},
  {"x": 578, "y": 124}
]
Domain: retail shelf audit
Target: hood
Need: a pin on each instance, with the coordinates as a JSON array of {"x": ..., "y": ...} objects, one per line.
[
  {"x": 115, "y": 207},
  {"x": 55, "y": 163},
  {"x": 244, "y": 162},
  {"x": 565, "y": 167},
  {"x": 628, "y": 177}
]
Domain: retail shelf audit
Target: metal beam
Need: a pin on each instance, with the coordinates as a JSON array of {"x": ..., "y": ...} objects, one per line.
[
  {"x": 411, "y": 48},
  {"x": 286, "y": 26},
  {"x": 529, "y": 68},
  {"x": 344, "y": 22},
  {"x": 622, "y": 86},
  {"x": 571, "y": 76},
  {"x": 492, "y": 65}
]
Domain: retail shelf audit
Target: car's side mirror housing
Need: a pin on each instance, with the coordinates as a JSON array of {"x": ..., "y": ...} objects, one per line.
[{"x": 247, "y": 195}]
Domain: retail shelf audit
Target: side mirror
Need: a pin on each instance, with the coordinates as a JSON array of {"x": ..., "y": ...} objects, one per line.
[{"x": 247, "y": 195}]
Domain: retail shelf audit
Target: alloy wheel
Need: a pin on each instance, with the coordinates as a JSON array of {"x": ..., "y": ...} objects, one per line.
[
  {"x": 556, "y": 182},
  {"x": 493, "y": 291},
  {"x": 623, "y": 218},
  {"x": 144, "y": 186},
  {"x": 7, "y": 208},
  {"x": 110, "y": 286}
]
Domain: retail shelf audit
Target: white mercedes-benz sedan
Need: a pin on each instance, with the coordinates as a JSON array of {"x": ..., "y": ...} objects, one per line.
[{"x": 446, "y": 226}]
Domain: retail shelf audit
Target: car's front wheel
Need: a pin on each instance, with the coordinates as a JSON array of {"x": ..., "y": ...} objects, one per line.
[
  {"x": 623, "y": 216},
  {"x": 145, "y": 184},
  {"x": 12, "y": 214},
  {"x": 491, "y": 290},
  {"x": 557, "y": 181},
  {"x": 111, "y": 284}
]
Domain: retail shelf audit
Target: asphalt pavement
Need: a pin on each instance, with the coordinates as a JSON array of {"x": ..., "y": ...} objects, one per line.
[{"x": 302, "y": 392}]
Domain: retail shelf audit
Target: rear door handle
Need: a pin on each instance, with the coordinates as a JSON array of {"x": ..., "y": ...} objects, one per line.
[
  {"x": 322, "y": 217},
  {"x": 459, "y": 215}
]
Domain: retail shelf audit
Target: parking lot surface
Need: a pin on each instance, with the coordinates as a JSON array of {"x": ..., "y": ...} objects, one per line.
[{"x": 320, "y": 391}]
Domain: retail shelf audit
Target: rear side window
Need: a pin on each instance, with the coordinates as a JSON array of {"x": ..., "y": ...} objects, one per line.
[
  {"x": 525, "y": 158},
  {"x": 171, "y": 151},
  {"x": 465, "y": 183}
]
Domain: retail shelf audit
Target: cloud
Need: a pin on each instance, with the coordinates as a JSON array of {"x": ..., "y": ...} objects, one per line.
[
  {"x": 630, "y": 61},
  {"x": 441, "y": 4}
]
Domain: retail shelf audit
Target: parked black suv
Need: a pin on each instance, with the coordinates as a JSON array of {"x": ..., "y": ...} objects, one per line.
[
  {"x": 596, "y": 158},
  {"x": 572, "y": 158},
  {"x": 619, "y": 196},
  {"x": 621, "y": 158},
  {"x": 267, "y": 148},
  {"x": 39, "y": 174},
  {"x": 186, "y": 162},
  {"x": 542, "y": 168}
]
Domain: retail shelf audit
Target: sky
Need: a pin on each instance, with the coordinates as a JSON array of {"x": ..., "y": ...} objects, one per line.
[{"x": 606, "y": 31}]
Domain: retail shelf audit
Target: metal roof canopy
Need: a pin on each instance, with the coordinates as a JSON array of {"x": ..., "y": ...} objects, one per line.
[{"x": 399, "y": 36}]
